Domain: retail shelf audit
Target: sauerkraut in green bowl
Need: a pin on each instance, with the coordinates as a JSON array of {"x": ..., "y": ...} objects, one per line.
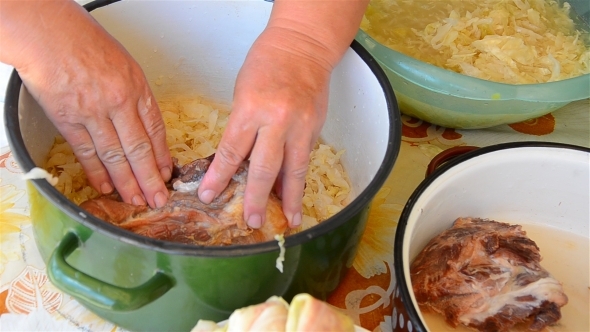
[{"x": 476, "y": 64}]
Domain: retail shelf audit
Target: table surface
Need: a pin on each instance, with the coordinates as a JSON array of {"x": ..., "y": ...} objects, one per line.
[{"x": 28, "y": 302}]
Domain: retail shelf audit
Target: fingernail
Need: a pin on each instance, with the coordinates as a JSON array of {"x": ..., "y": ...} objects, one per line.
[
  {"x": 138, "y": 200},
  {"x": 207, "y": 196},
  {"x": 160, "y": 199},
  {"x": 106, "y": 188},
  {"x": 296, "y": 220},
  {"x": 166, "y": 173},
  {"x": 255, "y": 221}
]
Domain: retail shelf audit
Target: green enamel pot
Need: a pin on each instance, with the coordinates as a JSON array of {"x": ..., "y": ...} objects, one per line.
[{"x": 145, "y": 284}]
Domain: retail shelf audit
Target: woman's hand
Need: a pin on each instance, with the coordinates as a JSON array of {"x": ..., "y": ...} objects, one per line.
[
  {"x": 95, "y": 94},
  {"x": 280, "y": 103},
  {"x": 279, "y": 108}
]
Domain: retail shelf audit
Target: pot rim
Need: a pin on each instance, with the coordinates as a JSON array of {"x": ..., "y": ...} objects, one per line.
[
  {"x": 25, "y": 161},
  {"x": 398, "y": 259}
]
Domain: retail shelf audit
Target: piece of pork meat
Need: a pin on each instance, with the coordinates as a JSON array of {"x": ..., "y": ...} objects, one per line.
[
  {"x": 486, "y": 275},
  {"x": 186, "y": 219}
]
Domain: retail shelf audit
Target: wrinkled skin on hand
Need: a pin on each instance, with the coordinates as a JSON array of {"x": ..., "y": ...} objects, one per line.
[{"x": 96, "y": 95}]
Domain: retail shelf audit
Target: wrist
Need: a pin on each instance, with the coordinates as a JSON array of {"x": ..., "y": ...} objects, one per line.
[
  {"x": 300, "y": 48},
  {"x": 33, "y": 30},
  {"x": 324, "y": 29}
]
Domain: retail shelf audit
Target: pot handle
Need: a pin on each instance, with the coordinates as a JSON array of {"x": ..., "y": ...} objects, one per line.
[
  {"x": 97, "y": 292},
  {"x": 447, "y": 155}
]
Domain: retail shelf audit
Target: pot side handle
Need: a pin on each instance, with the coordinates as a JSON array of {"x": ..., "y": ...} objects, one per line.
[
  {"x": 447, "y": 155},
  {"x": 96, "y": 292}
]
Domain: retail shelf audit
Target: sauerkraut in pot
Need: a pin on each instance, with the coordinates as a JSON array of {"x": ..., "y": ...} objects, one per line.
[
  {"x": 193, "y": 130},
  {"x": 508, "y": 41}
]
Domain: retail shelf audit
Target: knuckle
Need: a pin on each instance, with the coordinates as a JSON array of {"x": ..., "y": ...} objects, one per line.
[
  {"x": 299, "y": 164},
  {"x": 298, "y": 173},
  {"x": 139, "y": 151},
  {"x": 229, "y": 155},
  {"x": 283, "y": 115},
  {"x": 261, "y": 173},
  {"x": 85, "y": 151},
  {"x": 68, "y": 114},
  {"x": 117, "y": 98},
  {"x": 152, "y": 183},
  {"x": 153, "y": 123},
  {"x": 113, "y": 156}
]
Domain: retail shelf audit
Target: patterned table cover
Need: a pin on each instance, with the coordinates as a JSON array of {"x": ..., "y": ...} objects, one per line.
[{"x": 29, "y": 302}]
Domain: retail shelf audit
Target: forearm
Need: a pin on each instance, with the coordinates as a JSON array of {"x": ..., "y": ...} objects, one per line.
[
  {"x": 323, "y": 29},
  {"x": 30, "y": 29}
]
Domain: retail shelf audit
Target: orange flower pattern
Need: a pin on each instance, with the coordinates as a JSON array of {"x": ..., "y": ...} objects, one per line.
[{"x": 543, "y": 125}]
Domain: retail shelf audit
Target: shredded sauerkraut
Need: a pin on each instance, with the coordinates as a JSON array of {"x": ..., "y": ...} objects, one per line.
[
  {"x": 72, "y": 181},
  {"x": 279, "y": 262},
  {"x": 508, "y": 41},
  {"x": 193, "y": 130}
]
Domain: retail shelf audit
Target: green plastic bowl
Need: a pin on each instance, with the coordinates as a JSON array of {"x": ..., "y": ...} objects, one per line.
[{"x": 454, "y": 100}]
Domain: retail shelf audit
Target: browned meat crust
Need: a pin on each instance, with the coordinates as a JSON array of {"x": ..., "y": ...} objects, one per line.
[
  {"x": 486, "y": 275},
  {"x": 186, "y": 219}
]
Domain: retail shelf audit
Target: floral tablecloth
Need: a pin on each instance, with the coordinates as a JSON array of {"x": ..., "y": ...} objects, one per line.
[{"x": 29, "y": 302}]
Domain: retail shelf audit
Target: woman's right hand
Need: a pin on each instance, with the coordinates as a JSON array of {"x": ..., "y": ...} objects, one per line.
[
  {"x": 94, "y": 93},
  {"x": 280, "y": 103}
]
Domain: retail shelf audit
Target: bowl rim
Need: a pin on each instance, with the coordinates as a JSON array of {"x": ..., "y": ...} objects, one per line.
[
  {"x": 398, "y": 259},
  {"x": 463, "y": 86},
  {"x": 26, "y": 163}
]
